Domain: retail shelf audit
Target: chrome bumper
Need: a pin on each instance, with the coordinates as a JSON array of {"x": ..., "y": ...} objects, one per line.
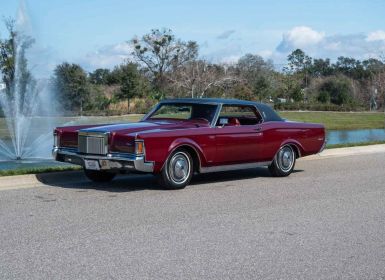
[{"x": 110, "y": 161}]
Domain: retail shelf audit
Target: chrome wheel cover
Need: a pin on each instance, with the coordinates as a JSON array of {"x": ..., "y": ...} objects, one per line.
[
  {"x": 286, "y": 158},
  {"x": 179, "y": 168}
]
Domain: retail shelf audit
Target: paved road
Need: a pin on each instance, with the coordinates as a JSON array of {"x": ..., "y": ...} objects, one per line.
[{"x": 325, "y": 221}]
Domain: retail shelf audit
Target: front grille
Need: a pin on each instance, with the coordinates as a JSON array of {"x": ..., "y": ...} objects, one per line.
[{"x": 92, "y": 143}]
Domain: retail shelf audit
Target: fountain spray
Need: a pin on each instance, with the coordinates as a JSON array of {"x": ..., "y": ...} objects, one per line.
[{"x": 26, "y": 102}]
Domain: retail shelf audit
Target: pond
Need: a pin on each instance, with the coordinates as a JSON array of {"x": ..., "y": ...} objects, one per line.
[{"x": 355, "y": 136}]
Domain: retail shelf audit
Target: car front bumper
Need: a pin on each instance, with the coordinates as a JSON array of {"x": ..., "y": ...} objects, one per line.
[{"x": 111, "y": 161}]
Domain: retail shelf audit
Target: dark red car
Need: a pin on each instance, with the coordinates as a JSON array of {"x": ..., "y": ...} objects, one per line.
[{"x": 182, "y": 136}]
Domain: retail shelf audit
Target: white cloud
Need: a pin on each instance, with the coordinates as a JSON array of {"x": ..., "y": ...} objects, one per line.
[
  {"x": 265, "y": 53},
  {"x": 333, "y": 46},
  {"x": 107, "y": 56},
  {"x": 300, "y": 37},
  {"x": 315, "y": 43},
  {"x": 378, "y": 35},
  {"x": 320, "y": 45}
]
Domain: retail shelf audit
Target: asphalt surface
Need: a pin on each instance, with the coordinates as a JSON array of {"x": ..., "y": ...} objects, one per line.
[{"x": 325, "y": 221}]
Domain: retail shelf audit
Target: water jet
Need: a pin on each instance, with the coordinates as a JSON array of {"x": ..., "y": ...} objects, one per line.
[{"x": 26, "y": 98}]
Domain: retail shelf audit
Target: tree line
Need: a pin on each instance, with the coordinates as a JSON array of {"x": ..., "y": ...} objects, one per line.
[{"x": 164, "y": 66}]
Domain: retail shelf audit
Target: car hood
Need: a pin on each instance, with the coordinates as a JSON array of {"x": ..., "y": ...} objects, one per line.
[{"x": 128, "y": 128}]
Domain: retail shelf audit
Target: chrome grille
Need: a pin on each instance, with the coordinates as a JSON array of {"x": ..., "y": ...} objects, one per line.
[{"x": 92, "y": 143}]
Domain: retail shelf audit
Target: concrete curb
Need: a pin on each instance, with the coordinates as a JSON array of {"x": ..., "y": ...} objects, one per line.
[
  {"x": 35, "y": 180},
  {"x": 18, "y": 181},
  {"x": 348, "y": 151}
]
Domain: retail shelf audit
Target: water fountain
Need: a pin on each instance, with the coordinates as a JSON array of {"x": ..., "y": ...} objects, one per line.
[{"x": 26, "y": 101}]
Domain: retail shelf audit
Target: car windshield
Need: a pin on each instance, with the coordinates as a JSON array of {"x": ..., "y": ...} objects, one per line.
[{"x": 184, "y": 111}]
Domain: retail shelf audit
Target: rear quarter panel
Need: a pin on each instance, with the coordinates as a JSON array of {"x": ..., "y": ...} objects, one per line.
[{"x": 307, "y": 137}]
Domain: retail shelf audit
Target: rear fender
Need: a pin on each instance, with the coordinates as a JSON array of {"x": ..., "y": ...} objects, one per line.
[{"x": 298, "y": 146}]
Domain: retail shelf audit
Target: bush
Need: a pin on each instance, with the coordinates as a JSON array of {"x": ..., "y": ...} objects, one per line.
[
  {"x": 318, "y": 107},
  {"x": 137, "y": 106},
  {"x": 141, "y": 106},
  {"x": 337, "y": 90}
]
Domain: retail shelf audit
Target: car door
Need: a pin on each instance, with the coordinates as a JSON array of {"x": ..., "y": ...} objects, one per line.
[{"x": 238, "y": 135}]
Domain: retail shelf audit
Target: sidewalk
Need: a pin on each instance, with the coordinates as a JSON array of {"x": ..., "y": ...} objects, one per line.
[{"x": 348, "y": 151}]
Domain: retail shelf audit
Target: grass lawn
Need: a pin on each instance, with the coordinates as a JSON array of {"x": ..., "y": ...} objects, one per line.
[
  {"x": 338, "y": 120},
  {"x": 37, "y": 170}
]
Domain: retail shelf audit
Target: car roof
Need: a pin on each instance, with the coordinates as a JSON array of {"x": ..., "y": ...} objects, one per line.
[
  {"x": 268, "y": 113},
  {"x": 209, "y": 101}
]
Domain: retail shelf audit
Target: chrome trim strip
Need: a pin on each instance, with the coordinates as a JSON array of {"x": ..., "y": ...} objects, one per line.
[
  {"x": 212, "y": 124},
  {"x": 138, "y": 162},
  {"x": 259, "y": 112},
  {"x": 93, "y": 133},
  {"x": 216, "y": 116},
  {"x": 230, "y": 167},
  {"x": 323, "y": 145},
  {"x": 149, "y": 114}
]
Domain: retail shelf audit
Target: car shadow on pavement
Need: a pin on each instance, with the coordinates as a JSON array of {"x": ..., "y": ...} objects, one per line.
[
  {"x": 140, "y": 182},
  {"x": 121, "y": 183},
  {"x": 243, "y": 174}
]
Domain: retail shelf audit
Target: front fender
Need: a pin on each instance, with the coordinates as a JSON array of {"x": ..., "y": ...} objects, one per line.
[{"x": 187, "y": 142}]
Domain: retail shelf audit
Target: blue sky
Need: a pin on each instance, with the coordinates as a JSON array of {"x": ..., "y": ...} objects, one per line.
[{"x": 94, "y": 32}]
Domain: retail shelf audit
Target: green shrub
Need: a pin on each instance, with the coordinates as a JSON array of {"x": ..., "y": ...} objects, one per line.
[
  {"x": 337, "y": 90},
  {"x": 318, "y": 107}
]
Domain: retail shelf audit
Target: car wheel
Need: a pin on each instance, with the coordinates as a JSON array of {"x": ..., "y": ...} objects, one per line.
[
  {"x": 99, "y": 176},
  {"x": 283, "y": 163},
  {"x": 177, "y": 171}
]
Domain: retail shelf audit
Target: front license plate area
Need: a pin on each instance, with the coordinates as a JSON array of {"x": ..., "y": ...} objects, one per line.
[
  {"x": 91, "y": 164},
  {"x": 104, "y": 164}
]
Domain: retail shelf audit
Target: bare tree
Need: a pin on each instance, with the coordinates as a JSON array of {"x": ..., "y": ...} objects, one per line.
[
  {"x": 196, "y": 78},
  {"x": 160, "y": 52}
]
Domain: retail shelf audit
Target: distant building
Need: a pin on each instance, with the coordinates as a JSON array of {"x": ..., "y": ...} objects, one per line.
[{"x": 281, "y": 100}]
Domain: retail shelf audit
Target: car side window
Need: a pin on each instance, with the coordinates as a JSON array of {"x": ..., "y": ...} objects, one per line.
[{"x": 235, "y": 115}]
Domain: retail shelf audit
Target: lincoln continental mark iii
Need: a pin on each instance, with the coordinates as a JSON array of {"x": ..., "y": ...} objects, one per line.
[{"x": 180, "y": 137}]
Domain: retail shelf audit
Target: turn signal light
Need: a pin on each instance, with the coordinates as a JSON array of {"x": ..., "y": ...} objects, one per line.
[{"x": 139, "y": 147}]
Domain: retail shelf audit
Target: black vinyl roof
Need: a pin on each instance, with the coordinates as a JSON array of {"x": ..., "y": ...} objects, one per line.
[
  {"x": 209, "y": 101},
  {"x": 267, "y": 112}
]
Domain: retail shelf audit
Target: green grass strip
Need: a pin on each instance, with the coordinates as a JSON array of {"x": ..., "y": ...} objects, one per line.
[
  {"x": 339, "y": 120},
  {"x": 37, "y": 170}
]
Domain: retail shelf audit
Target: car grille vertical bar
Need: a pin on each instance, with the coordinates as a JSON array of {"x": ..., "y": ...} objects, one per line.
[
  {"x": 82, "y": 144},
  {"x": 92, "y": 143}
]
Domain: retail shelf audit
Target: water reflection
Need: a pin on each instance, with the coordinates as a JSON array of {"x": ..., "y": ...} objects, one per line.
[{"x": 355, "y": 136}]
